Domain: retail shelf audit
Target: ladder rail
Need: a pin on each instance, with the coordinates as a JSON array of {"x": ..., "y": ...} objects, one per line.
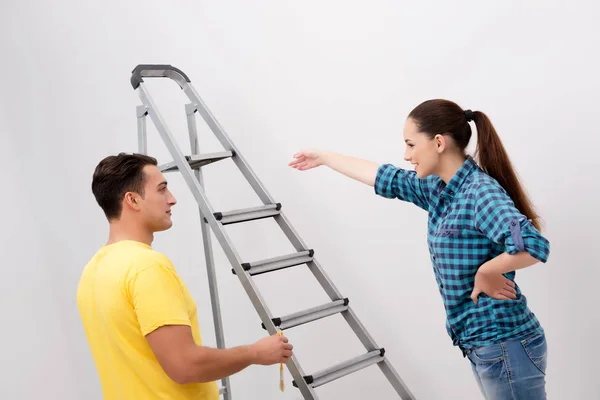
[
  {"x": 141, "y": 113},
  {"x": 220, "y": 233},
  {"x": 208, "y": 250}
]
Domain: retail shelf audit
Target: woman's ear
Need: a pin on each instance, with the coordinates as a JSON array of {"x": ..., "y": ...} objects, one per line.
[{"x": 440, "y": 143}]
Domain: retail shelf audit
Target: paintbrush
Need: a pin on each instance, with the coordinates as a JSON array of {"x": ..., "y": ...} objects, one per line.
[{"x": 281, "y": 384}]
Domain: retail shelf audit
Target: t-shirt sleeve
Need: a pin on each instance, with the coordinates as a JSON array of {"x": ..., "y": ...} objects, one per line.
[
  {"x": 498, "y": 219},
  {"x": 393, "y": 182},
  {"x": 158, "y": 298}
]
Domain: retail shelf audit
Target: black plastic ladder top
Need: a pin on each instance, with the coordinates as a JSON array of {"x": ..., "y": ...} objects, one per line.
[{"x": 156, "y": 71}]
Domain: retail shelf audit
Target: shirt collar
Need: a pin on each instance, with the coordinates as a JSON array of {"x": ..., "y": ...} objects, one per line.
[{"x": 450, "y": 189}]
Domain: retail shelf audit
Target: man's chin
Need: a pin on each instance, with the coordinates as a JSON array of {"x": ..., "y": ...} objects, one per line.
[{"x": 164, "y": 227}]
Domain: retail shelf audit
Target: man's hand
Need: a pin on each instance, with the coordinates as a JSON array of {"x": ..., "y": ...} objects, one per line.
[
  {"x": 185, "y": 362},
  {"x": 494, "y": 285},
  {"x": 274, "y": 349}
]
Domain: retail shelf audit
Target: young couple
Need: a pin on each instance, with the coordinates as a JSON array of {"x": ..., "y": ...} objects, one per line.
[{"x": 141, "y": 321}]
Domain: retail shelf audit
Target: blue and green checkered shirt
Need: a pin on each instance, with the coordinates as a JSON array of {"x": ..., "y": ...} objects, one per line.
[{"x": 471, "y": 220}]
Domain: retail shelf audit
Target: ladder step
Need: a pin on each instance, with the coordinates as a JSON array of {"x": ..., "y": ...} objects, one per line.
[
  {"x": 356, "y": 364},
  {"x": 276, "y": 263},
  {"x": 248, "y": 214},
  {"x": 198, "y": 160},
  {"x": 312, "y": 314}
]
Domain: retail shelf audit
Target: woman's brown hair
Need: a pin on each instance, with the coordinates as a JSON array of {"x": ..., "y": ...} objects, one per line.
[{"x": 440, "y": 116}]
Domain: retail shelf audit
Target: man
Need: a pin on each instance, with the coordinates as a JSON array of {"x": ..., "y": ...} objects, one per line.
[{"x": 139, "y": 318}]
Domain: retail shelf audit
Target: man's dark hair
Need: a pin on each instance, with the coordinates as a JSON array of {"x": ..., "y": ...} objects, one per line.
[{"x": 116, "y": 175}]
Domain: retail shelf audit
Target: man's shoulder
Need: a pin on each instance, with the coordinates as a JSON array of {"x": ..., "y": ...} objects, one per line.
[
  {"x": 149, "y": 258},
  {"x": 128, "y": 259},
  {"x": 151, "y": 254}
]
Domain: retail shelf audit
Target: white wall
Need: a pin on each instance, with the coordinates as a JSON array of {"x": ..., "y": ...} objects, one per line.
[{"x": 280, "y": 76}]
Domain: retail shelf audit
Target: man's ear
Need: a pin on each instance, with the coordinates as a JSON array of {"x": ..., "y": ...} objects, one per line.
[{"x": 131, "y": 200}]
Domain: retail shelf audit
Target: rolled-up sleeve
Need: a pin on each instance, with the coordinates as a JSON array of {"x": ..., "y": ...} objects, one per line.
[
  {"x": 396, "y": 183},
  {"x": 497, "y": 218}
]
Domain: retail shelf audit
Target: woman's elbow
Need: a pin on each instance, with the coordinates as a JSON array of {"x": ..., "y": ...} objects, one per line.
[{"x": 537, "y": 255}]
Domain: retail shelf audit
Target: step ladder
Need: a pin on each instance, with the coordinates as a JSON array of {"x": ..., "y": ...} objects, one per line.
[{"x": 190, "y": 167}]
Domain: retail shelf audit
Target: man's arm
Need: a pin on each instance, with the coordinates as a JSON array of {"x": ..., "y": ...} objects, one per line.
[
  {"x": 185, "y": 362},
  {"x": 159, "y": 303}
]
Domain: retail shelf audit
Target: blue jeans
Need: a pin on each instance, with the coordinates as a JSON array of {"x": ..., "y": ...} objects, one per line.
[{"x": 515, "y": 369}]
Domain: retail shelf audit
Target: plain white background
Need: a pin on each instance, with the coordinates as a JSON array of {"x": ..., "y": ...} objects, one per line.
[{"x": 281, "y": 76}]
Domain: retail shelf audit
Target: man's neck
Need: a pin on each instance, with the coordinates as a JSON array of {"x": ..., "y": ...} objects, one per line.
[{"x": 120, "y": 231}]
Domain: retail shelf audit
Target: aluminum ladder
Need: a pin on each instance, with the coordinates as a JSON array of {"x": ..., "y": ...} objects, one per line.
[{"x": 190, "y": 167}]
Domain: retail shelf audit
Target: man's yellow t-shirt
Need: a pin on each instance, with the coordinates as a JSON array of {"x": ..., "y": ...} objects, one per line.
[{"x": 126, "y": 291}]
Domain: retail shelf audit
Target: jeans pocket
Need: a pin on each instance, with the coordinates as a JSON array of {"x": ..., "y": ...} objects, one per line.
[
  {"x": 488, "y": 354},
  {"x": 537, "y": 351}
]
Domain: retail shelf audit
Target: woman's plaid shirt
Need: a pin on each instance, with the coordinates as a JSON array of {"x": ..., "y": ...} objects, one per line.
[{"x": 471, "y": 220}]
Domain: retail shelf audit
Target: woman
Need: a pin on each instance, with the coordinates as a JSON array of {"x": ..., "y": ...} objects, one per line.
[{"x": 481, "y": 229}]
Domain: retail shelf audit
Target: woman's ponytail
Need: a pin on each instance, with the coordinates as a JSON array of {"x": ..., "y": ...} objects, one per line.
[{"x": 493, "y": 159}]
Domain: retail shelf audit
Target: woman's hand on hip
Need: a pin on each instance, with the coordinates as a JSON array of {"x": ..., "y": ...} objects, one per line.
[{"x": 493, "y": 284}]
